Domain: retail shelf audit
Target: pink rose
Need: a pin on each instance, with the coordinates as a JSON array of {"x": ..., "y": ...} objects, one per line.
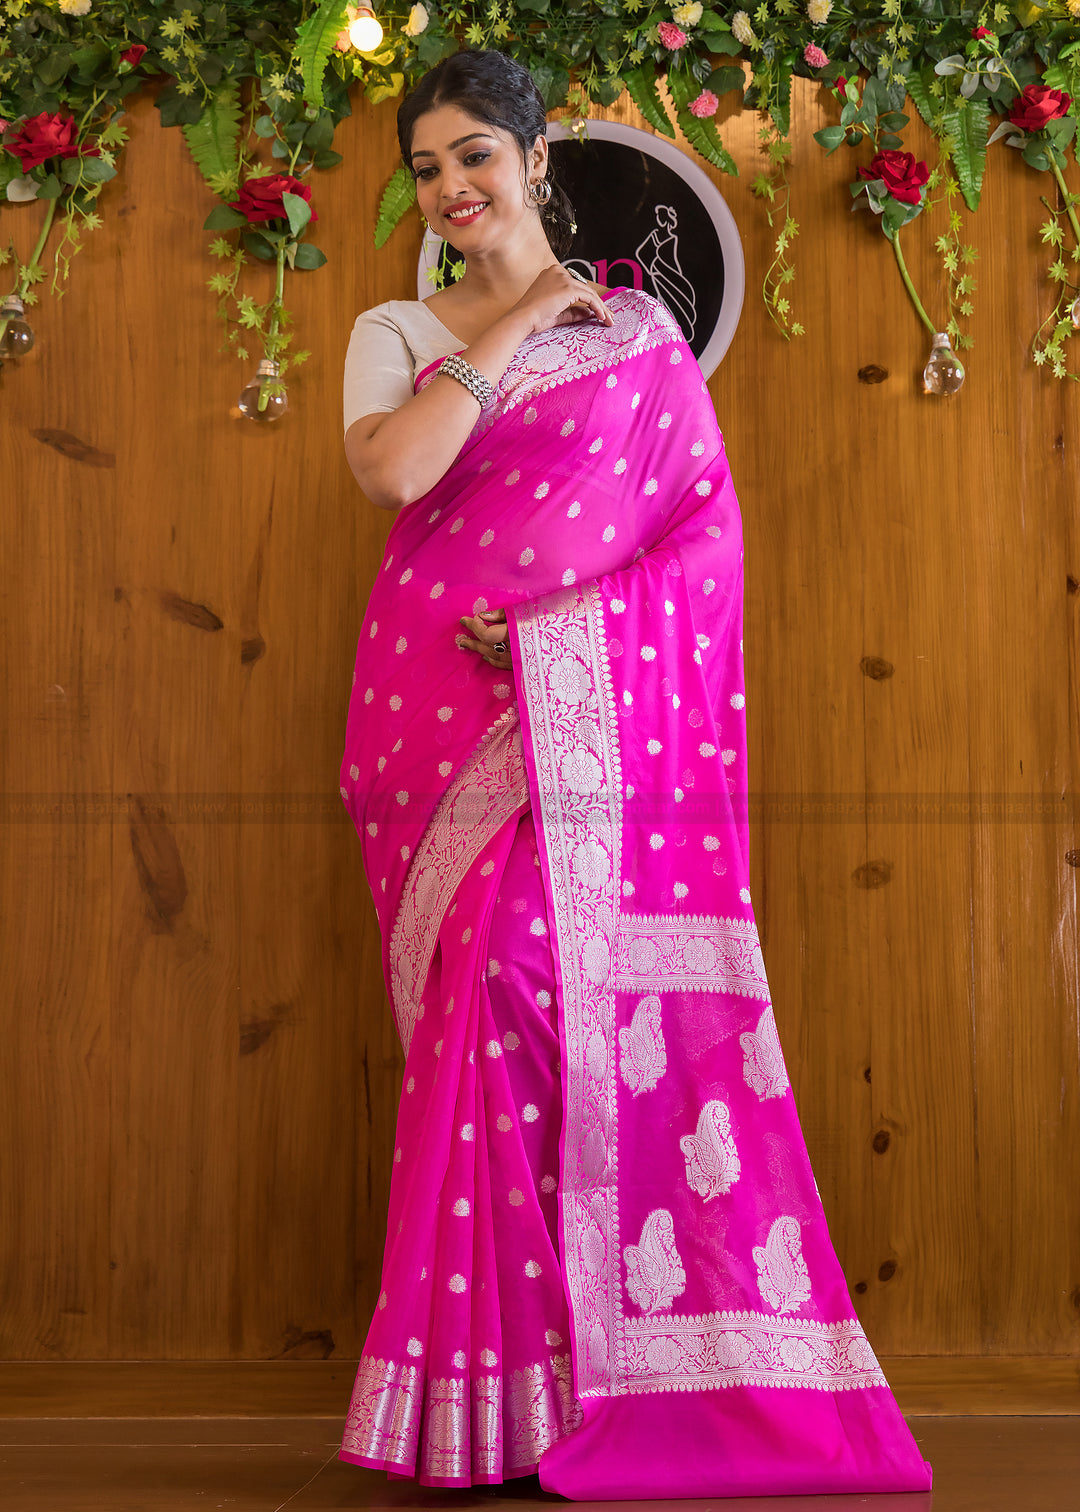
[
  {"x": 705, "y": 105},
  {"x": 671, "y": 36},
  {"x": 814, "y": 55}
]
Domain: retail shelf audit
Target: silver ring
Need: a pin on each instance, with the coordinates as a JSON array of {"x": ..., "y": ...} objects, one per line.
[
  {"x": 499, "y": 646},
  {"x": 575, "y": 274}
]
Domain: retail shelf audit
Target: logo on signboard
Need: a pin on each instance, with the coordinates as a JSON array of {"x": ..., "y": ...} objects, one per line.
[{"x": 648, "y": 218}]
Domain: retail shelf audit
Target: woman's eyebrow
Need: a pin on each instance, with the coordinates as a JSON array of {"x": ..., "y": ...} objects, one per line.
[{"x": 422, "y": 152}]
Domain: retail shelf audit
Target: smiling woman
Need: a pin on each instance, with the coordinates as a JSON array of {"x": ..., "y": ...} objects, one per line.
[{"x": 606, "y": 1256}]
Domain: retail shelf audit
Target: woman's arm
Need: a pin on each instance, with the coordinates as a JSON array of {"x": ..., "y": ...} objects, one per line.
[{"x": 397, "y": 457}]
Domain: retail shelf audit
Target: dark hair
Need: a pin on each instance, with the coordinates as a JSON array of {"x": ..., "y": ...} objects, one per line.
[{"x": 495, "y": 89}]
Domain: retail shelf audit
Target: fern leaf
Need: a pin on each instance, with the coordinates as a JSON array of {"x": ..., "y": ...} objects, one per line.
[
  {"x": 315, "y": 42},
  {"x": 212, "y": 139},
  {"x": 641, "y": 87},
  {"x": 968, "y": 128},
  {"x": 699, "y": 131},
  {"x": 398, "y": 197},
  {"x": 918, "y": 87}
]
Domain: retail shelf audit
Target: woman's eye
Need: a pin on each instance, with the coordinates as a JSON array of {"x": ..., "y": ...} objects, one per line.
[
  {"x": 423, "y": 173},
  {"x": 472, "y": 158}
]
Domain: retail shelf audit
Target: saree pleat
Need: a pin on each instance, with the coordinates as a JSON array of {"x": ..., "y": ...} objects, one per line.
[
  {"x": 491, "y": 1313},
  {"x": 606, "y": 1254}
]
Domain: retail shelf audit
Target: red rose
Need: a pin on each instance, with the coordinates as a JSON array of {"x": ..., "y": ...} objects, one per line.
[
  {"x": 133, "y": 54},
  {"x": 46, "y": 136},
  {"x": 1037, "y": 106},
  {"x": 260, "y": 198},
  {"x": 980, "y": 32},
  {"x": 904, "y": 177}
]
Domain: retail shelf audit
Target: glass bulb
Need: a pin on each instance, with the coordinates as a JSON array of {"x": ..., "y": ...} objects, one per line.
[
  {"x": 264, "y": 398},
  {"x": 944, "y": 372},
  {"x": 365, "y": 33},
  {"x": 16, "y": 337},
  {"x": 1074, "y": 312}
]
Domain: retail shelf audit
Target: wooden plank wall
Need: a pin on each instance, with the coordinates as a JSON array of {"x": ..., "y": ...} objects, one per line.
[{"x": 200, "y": 1074}]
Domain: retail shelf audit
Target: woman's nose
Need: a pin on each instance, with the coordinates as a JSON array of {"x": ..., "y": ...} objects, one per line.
[{"x": 455, "y": 180}]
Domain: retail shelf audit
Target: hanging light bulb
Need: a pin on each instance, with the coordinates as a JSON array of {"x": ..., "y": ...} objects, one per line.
[
  {"x": 17, "y": 338},
  {"x": 265, "y": 397},
  {"x": 1074, "y": 312},
  {"x": 365, "y": 31},
  {"x": 944, "y": 372}
]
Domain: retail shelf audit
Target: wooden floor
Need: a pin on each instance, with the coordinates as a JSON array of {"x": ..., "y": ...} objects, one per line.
[{"x": 981, "y": 1464}]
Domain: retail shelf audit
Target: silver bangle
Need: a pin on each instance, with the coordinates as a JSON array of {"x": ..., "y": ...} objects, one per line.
[{"x": 455, "y": 366}]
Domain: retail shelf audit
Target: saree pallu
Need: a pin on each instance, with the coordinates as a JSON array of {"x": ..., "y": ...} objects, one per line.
[{"x": 606, "y": 1252}]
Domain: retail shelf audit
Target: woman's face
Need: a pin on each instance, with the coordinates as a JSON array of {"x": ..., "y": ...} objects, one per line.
[{"x": 470, "y": 179}]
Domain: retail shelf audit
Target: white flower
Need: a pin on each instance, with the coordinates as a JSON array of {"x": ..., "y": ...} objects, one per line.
[
  {"x": 687, "y": 15},
  {"x": 581, "y": 771},
  {"x": 742, "y": 30},
  {"x": 818, "y": 10},
  {"x": 74, "y": 7},
  {"x": 417, "y": 22}
]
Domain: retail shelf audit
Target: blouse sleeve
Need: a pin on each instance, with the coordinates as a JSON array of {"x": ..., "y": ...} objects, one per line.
[{"x": 378, "y": 367}]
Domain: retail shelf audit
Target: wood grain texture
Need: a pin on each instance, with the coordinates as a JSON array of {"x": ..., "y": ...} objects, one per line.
[
  {"x": 926, "y": 1386},
  {"x": 979, "y": 1465},
  {"x": 200, "y": 1069}
]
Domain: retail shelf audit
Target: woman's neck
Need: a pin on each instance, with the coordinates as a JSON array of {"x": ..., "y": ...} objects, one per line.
[{"x": 499, "y": 277}]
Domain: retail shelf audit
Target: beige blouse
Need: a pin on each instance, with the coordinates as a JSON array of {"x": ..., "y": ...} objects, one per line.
[{"x": 389, "y": 346}]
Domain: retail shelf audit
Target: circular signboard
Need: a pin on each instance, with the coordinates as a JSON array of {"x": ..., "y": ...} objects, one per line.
[{"x": 648, "y": 218}]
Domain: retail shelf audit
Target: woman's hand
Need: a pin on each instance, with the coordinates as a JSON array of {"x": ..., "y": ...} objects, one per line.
[
  {"x": 487, "y": 637},
  {"x": 557, "y": 298}
]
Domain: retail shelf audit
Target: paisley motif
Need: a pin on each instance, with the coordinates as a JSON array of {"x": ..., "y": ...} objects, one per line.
[
  {"x": 782, "y": 1276},
  {"x": 763, "y": 1059},
  {"x": 642, "y": 1052},
  {"x": 712, "y": 1161},
  {"x": 654, "y": 1268}
]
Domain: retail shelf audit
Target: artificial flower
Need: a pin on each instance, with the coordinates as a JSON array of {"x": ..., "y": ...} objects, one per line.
[
  {"x": 133, "y": 55},
  {"x": 841, "y": 89},
  {"x": 1038, "y": 106},
  {"x": 741, "y": 29},
  {"x": 705, "y": 105},
  {"x": 687, "y": 15},
  {"x": 1073, "y": 7},
  {"x": 74, "y": 7},
  {"x": 982, "y": 31},
  {"x": 671, "y": 36},
  {"x": 903, "y": 177},
  {"x": 260, "y": 199},
  {"x": 47, "y": 136},
  {"x": 814, "y": 55},
  {"x": 417, "y": 22},
  {"x": 818, "y": 10}
]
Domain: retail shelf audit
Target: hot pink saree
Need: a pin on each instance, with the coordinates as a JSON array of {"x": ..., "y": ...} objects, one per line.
[{"x": 606, "y": 1253}]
